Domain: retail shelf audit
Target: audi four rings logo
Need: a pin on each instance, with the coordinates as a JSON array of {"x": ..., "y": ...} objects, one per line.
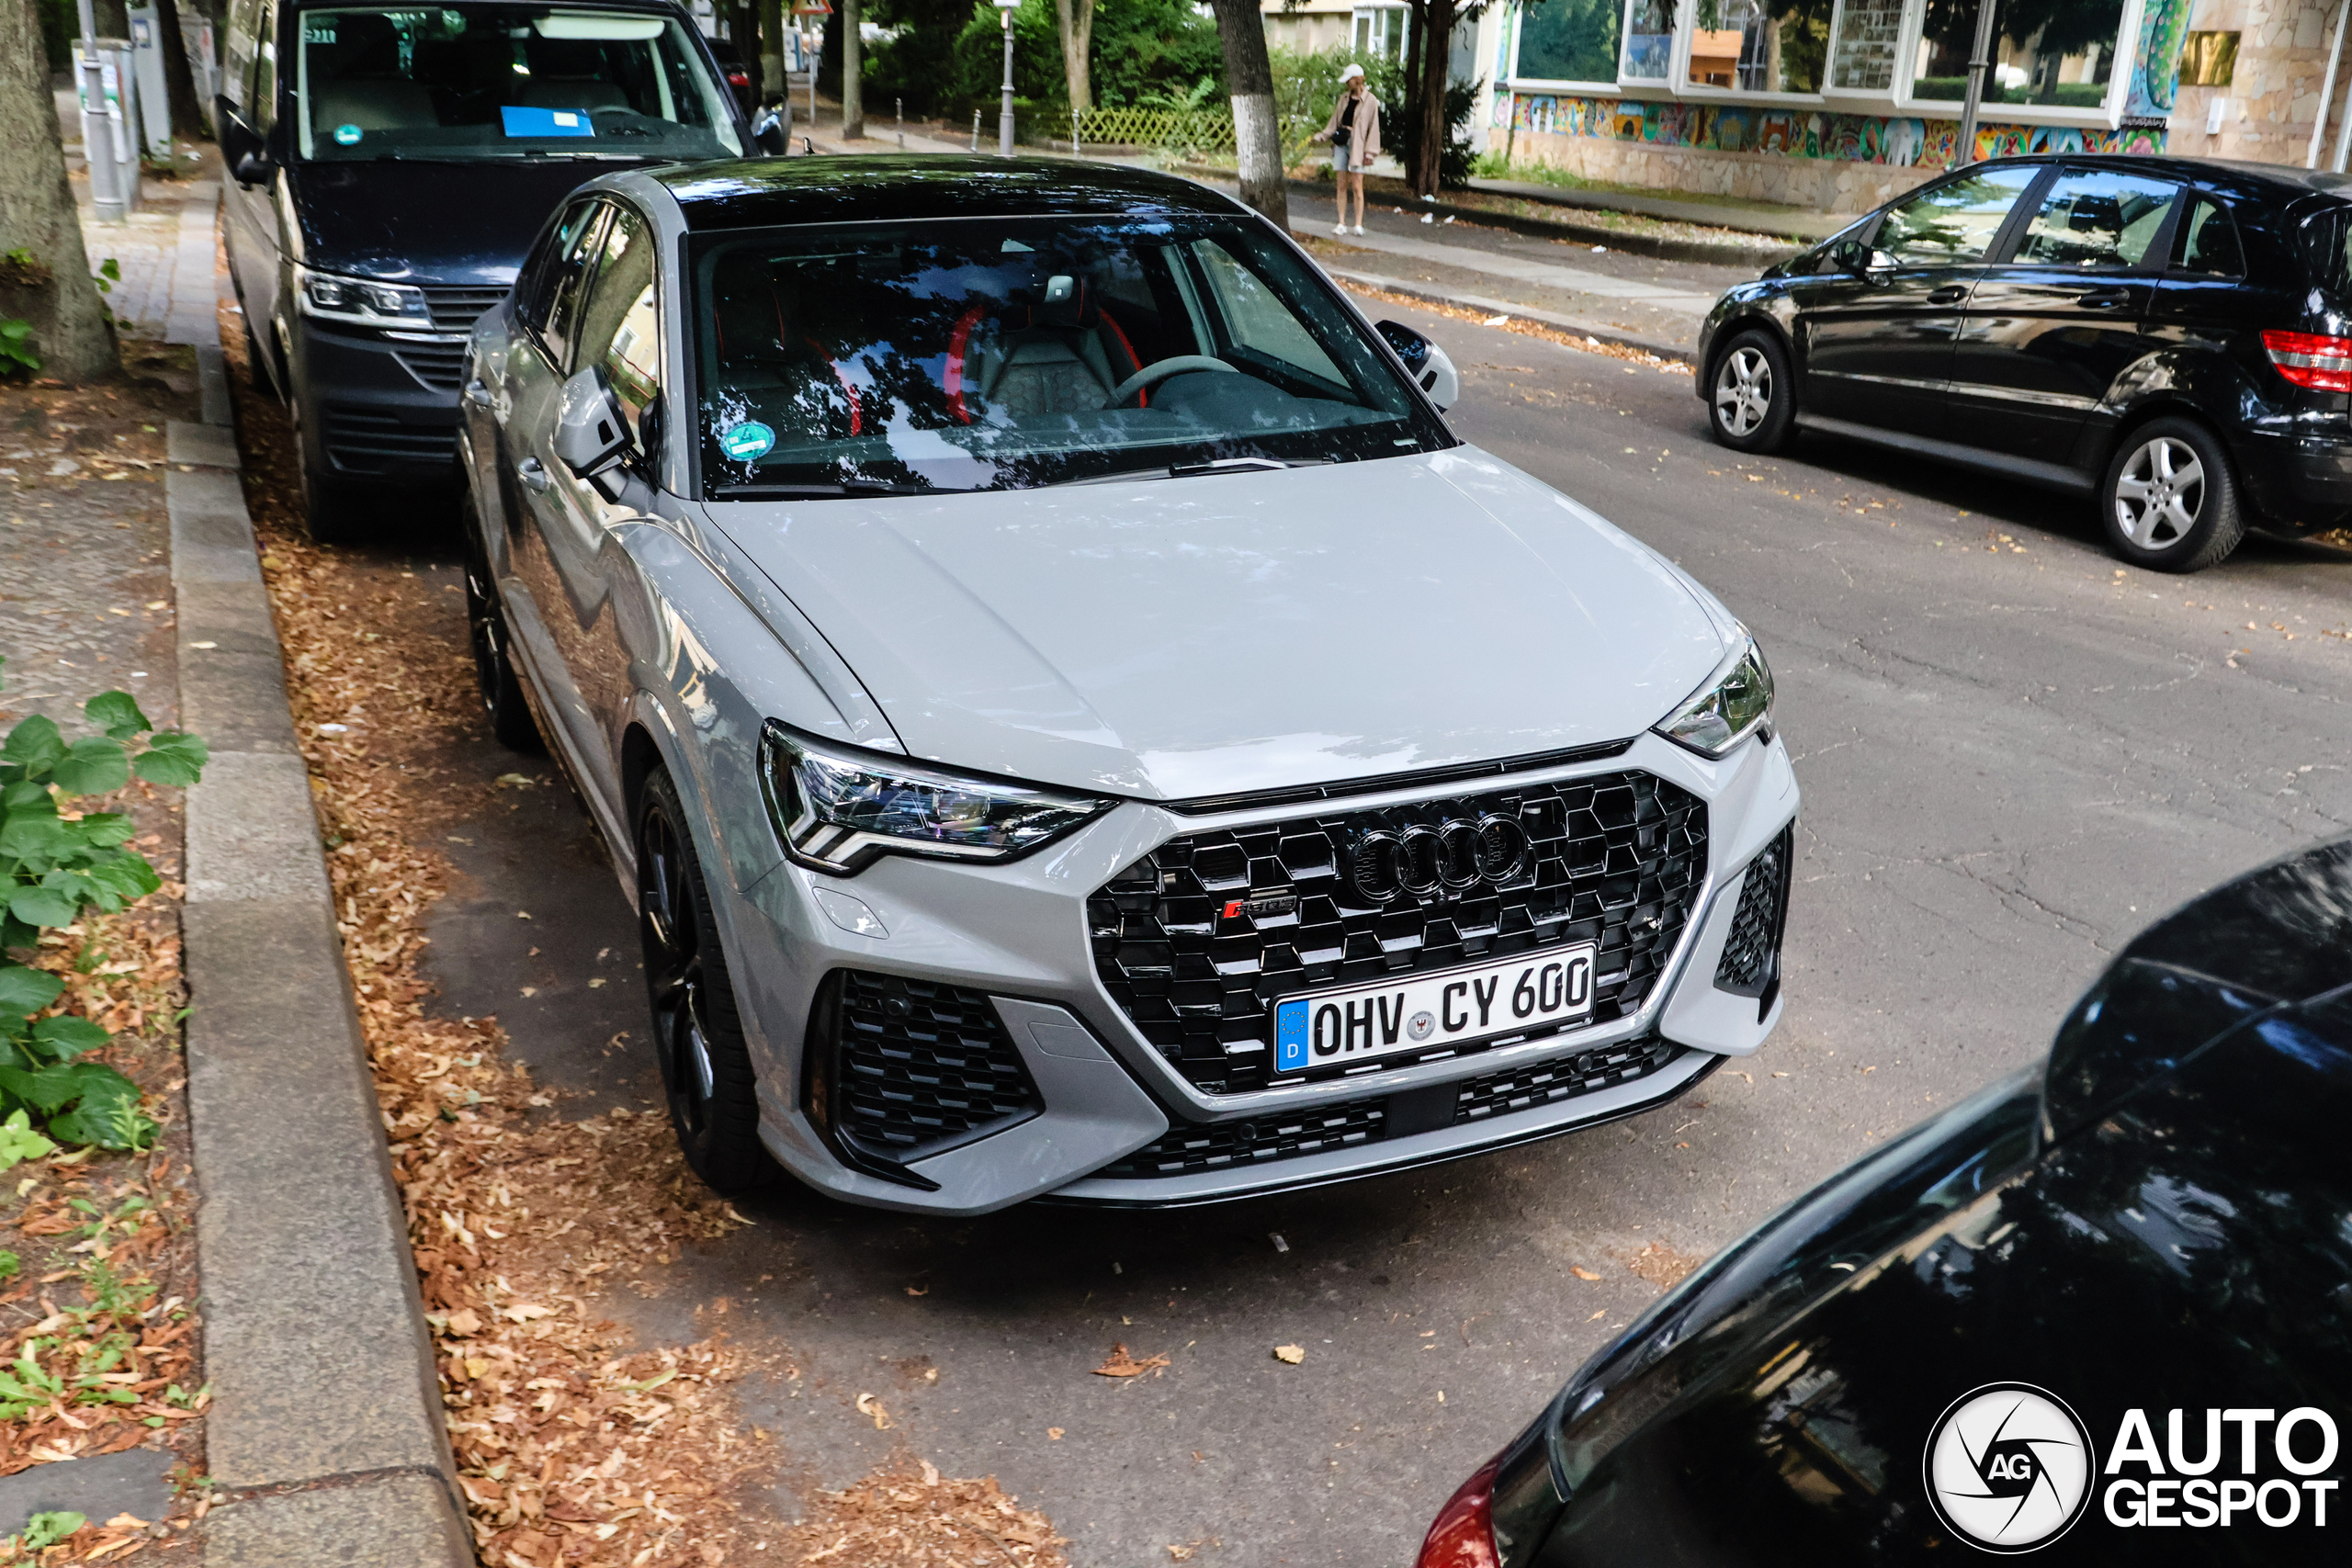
[{"x": 1452, "y": 856}]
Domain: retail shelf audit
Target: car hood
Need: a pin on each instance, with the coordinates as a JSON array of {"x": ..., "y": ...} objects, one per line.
[
  {"x": 462, "y": 221},
  {"x": 1173, "y": 638}
]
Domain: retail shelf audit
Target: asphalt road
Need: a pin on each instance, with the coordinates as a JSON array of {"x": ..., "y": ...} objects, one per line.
[{"x": 2013, "y": 753}]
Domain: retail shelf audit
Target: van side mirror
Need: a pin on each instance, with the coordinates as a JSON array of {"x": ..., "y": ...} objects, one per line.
[
  {"x": 242, "y": 148},
  {"x": 592, "y": 435},
  {"x": 768, "y": 132},
  {"x": 1428, "y": 365}
]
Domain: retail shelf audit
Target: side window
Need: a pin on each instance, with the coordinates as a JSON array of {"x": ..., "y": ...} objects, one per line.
[
  {"x": 619, "y": 328},
  {"x": 237, "y": 65},
  {"x": 261, "y": 90},
  {"x": 535, "y": 286},
  {"x": 1257, "y": 319},
  {"x": 2209, "y": 241},
  {"x": 2094, "y": 218},
  {"x": 1956, "y": 222},
  {"x": 567, "y": 281}
]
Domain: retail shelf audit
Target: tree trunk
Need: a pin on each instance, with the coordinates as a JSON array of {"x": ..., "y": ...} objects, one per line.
[
  {"x": 179, "y": 76},
  {"x": 71, "y": 334},
  {"x": 852, "y": 70},
  {"x": 113, "y": 17},
  {"x": 1078, "y": 44},
  {"x": 1257, "y": 132},
  {"x": 1437, "y": 49},
  {"x": 771, "y": 62}
]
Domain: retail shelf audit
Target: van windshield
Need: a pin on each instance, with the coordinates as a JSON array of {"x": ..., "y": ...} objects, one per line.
[
  {"x": 1002, "y": 353},
  {"x": 489, "y": 81}
]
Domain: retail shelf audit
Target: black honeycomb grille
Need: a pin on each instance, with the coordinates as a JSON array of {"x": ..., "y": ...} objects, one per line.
[
  {"x": 1615, "y": 859},
  {"x": 1752, "y": 951},
  {"x": 1187, "y": 1148},
  {"x": 1564, "y": 1078},
  {"x": 923, "y": 1067}
]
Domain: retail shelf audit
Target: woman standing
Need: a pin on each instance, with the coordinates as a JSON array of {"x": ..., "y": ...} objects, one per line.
[{"x": 1354, "y": 135}]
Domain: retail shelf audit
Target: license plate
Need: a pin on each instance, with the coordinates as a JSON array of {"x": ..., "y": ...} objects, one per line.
[{"x": 1429, "y": 1012}]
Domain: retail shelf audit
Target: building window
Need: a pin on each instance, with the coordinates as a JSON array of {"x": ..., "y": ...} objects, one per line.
[
  {"x": 1870, "y": 37},
  {"x": 2050, "y": 53},
  {"x": 1379, "y": 32},
  {"x": 1649, "y": 40},
  {"x": 1570, "y": 41},
  {"x": 2208, "y": 60},
  {"x": 1760, "y": 45}
]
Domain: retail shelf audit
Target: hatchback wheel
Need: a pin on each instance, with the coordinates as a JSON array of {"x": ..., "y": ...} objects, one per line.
[
  {"x": 2170, "y": 502},
  {"x": 698, "y": 1035},
  {"x": 1754, "y": 400},
  {"x": 501, "y": 688}
]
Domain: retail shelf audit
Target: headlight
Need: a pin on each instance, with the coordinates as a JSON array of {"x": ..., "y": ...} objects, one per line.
[
  {"x": 1728, "y": 709},
  {"x": 838, "y": 807},
  {"x": 360, "y": 300}
]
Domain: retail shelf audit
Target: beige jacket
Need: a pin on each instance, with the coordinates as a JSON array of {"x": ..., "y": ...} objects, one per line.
[{"x": 1363, "y": 140}]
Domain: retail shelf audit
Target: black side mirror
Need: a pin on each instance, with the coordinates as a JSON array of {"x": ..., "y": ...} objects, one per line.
[
  {"x": 242, "y": 148},
  {"x": 768, "y": 132},
  {"x": 1851, "y": 255},
  {"x": 1429, "y": 365}
]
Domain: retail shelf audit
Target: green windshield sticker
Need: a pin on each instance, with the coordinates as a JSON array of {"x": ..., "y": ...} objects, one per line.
[
  {"x": 747, "y": 442},
  {"x": 346, "y": 134}
]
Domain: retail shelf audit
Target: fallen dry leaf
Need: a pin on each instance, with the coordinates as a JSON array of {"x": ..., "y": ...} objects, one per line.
[
  {"x": 1292, "y": 1354},
  {"x": 1054, "y": 1434},
  {"x": 1582, "y": 1273},
  {"x": 1120, "y": 1365},
  {"x": 869, "y": 1405}
]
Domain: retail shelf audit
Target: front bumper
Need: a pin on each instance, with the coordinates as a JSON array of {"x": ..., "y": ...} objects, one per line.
[
  {"x": 377, "y": 409},
  {"x": 1019, "y": 934}
]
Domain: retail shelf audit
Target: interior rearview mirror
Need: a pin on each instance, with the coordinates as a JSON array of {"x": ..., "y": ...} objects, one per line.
[
  {"x": 1428, "y": 365},
  {"x": 592, "y": 435}
]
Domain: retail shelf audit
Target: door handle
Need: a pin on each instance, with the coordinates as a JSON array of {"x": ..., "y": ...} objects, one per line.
[
  {"x": 478, "y": 394},
  {"x": 1950, "y": 294},
  {"x": 2104, "y": 298},
  {"x": 534, "y": 475}
]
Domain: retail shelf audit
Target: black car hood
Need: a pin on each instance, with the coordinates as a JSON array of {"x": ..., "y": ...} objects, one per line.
[
  {"x": 466, "y": 222},
  {"x": 2273, "y": 938}
]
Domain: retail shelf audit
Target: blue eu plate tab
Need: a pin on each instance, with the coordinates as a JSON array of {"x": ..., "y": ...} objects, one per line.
[
  {"x": 1289, "y": 1035},
  {"x": 520, "y": 121}
]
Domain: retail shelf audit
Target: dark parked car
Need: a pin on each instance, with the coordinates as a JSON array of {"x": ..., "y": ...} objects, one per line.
[
  {"x": 2107, "y": 1296},
  {"x": 391, "y": 165},
  {"x": 2171, "y": 335}
]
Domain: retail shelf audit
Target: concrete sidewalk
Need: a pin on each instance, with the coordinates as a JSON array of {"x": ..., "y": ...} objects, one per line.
[
  {"x": 1748, "y": 216},
  {"x": 1578, "y": 280}
]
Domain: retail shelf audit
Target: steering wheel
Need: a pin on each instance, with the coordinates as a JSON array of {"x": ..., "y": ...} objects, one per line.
[{"x": 1158, "y": 370}]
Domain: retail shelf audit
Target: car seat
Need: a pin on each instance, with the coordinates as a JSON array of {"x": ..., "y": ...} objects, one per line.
[
  {"x": 360, "y": 82},
  {"x": 1064, "y": 355},
  {"x": 770, "y": 354},
  {"x": 572, "y": 74}
]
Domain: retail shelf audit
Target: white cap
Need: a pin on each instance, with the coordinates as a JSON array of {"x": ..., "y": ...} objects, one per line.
[{"x": 1352, "y": 73}]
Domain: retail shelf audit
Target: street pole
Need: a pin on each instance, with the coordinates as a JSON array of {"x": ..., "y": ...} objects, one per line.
[
  {"x": 1004, "y": 122},
  {"x": 98, "y": 130},
  {"x": 1979, "y": 61}
]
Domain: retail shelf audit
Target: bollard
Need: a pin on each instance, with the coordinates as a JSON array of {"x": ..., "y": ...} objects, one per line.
[
  {"x": 976, "y": 130},
  {"x": 901, "y": 115}
]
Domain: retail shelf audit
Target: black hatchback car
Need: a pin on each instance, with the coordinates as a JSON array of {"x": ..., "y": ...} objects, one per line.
[
  {"x": 2108, "y": 1297},
  {"x": 392, "y": 163},
  {"x": 2171, "y": 335}
]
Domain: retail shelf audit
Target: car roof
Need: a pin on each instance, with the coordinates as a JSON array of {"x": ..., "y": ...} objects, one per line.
[
  {"x": 2276, "y": 181},
  {"x": 757, "y": 193}
]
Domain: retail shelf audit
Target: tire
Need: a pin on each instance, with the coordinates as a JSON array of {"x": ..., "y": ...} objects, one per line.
[
  {"x": 1751, "y": 402},
  {"x": 502, "y": 687},
  {"x": 706, "y": 1072},
  {"x": 2170, "y": 502}
]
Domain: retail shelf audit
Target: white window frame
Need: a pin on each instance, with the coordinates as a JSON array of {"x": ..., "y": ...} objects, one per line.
[
  {"x": 2109, "y": 113},
  {"x": 1678, "y": 47},
  {"x": 1686, "y": 32},
  {"x": 1516, "y": 84}
]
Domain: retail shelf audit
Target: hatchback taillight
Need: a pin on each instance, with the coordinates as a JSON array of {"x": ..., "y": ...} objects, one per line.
[
  {"x": 1463, "y": 1533},
  {"x": 2308, "y": 359}
]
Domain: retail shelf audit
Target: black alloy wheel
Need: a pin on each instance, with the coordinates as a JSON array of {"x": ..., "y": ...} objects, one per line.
[
  {"x": 1751, "y": 403},
  {"x": 501, "y": 688},
  {"x": 698, "y": 1035},
  {"x": 2170, "y": 502}
]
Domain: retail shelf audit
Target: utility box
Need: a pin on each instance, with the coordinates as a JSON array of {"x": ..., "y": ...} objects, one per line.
[
  {"x": 110, "y": 95},
  {"x": 154, "y": 96}
]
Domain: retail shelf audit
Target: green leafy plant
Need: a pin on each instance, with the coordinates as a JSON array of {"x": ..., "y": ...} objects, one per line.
[
  {"x": 18, "y": 1142},
  {"x": 16, "y": 347},
  {"x": 109, "y": 272},
  {"x": 44, "y": 1530},
  {"x": 55, "y": 863}
]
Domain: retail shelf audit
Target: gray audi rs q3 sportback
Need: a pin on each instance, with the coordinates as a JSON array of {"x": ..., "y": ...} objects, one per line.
[{"x": 1072, "y": 718}]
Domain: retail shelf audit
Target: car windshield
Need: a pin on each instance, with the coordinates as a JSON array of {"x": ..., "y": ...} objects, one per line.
[
  {"x": 1001, "y": 354},
  {"x": 451, "y": 82}
]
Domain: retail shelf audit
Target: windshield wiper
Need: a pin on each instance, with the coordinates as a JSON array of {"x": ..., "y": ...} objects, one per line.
[
  {"x": 1187, "y": 470},
  {"x": 798, "y": 491}
]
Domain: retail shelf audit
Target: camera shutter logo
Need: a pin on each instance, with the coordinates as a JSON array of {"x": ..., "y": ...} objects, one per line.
[{"x": 2009, "y": 1467}]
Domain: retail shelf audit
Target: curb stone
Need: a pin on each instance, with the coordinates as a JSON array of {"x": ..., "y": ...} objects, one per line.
[
  {"x": 325, "y": 1402},
  {"x": 1601, "y": 332}
]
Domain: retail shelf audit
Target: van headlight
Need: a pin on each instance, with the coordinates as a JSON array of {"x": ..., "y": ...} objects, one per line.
[
  {"x": 362, "y": 301},
  {"x": 837, "y": 807},
  {"x": 1731, "y": 706}
]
